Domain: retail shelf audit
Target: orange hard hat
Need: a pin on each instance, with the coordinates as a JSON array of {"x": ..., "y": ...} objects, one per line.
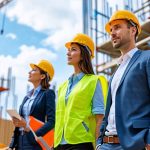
[
  {"x": 123, "y": 15},
  {"x": 46, "y": 66},
  {"x": 84, "y": 40}
]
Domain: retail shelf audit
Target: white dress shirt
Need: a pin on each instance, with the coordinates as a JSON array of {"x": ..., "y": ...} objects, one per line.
[{"x": 123, "y": 61}]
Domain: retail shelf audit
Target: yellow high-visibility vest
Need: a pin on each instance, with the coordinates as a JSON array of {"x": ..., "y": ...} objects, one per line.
[
  {"x": 74, "y": 120},
  {"x": 104, "y": 85}
]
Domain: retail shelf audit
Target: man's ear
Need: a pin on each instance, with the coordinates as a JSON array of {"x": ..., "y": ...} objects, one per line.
[{"x": 134, "y": 30}]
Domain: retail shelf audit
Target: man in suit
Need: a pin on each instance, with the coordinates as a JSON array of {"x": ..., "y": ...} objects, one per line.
[{"x": 126, "y": 125}]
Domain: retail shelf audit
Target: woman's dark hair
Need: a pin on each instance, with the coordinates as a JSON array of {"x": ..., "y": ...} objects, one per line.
[
  {"x": 45, "y": 82},
  {"x": 85, "y": 63}
]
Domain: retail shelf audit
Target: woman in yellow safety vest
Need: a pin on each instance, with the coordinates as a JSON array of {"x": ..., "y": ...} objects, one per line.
[{"x": 80, "y": 106}]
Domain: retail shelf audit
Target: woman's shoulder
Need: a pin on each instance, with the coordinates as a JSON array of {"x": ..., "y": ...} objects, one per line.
[
  {"x": 48, "y": 91},
  {"x": 92, "y": 76}
]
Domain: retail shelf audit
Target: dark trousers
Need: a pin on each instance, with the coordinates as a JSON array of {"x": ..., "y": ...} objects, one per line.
[
  {"x": 25, "y": 144},
  {"x": 81, "y": 146}
]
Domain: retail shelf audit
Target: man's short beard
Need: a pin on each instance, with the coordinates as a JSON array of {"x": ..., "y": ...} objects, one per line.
[{"x": 117, "y": 46}]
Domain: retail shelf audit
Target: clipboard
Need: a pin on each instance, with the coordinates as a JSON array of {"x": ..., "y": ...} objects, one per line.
[
  {"x": 13, "y": 113},
  {"x": 47, "y": 141}
]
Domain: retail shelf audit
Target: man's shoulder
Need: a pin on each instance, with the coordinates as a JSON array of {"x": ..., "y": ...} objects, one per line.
[{"x": 145, "y": 53}]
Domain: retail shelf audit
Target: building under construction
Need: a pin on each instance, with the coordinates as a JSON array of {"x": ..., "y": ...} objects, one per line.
[{"x": 96, "y": 14}]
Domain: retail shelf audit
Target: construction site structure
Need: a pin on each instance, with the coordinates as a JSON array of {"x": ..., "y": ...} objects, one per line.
[
  {"x": 97, "y": 13},
  {"x": 2, "y": 89},
  {"x": 6, "y": 126},
  {"x": 4, "y": 3},
  {"x": 8, "y": 99}
]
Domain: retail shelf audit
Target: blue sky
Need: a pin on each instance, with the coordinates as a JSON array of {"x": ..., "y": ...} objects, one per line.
[
  {"x": 16, "y": 35},
  {"x": 36, "y": 30}
]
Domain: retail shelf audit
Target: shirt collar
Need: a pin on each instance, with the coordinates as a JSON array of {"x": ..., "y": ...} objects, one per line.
[
  {"x": 36, "y": 91},
  {"x": 77, "y": 76},
  {"x": 127, "y": 55}
]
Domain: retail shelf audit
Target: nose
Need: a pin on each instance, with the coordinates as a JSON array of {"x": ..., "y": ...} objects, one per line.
[
  {"x": 112, "y": 34},
  {"x": 68, "y": 52}
]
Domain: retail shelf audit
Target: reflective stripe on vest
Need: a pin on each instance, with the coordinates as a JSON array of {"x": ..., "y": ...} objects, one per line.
[{"x": 75, "y": 119}]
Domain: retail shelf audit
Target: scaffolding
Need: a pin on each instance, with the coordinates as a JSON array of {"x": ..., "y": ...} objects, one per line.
[{"x": 96, "y": 14}]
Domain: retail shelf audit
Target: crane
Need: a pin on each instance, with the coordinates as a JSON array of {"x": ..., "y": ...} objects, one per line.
[{"x": 4, "y": 2}]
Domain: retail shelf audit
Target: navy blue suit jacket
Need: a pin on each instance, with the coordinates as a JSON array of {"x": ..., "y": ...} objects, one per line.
[
  {"x": 132, "y": 108},
  {"x": 43, "y": 109}
]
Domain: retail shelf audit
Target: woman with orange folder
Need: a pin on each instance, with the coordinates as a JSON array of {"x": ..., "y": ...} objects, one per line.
[
  {"x": 38, "y": 103},
  {"x": 80, "y": 105}
]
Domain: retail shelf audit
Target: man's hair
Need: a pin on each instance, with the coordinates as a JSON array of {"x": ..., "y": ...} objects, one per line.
[{"x": 130, "y": 23}]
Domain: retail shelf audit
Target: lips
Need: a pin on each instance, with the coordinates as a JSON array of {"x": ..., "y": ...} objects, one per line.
[
  {"x": 69, "y": 58},
  {"x": 114, "y": 40}
]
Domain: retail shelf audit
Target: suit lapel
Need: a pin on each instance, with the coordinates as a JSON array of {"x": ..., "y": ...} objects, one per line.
[
  {"x": 109, "y": 100},
  {"x": 133, "y": 59},
  {"x": 21, "y": 106},
  {"x": 35, "y": 100}
]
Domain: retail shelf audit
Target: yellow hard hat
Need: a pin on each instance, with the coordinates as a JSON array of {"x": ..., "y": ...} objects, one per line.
[
  {"x": 82, "y": 39},
  {"x": 45, "y": 66},
  {"x": 123, "y": 15}
]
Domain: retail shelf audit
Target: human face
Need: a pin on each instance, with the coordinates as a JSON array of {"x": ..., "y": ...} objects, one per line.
[
  {"x": 74, "y": 55},
  {"x": 120, "y": 34},
  {"x": 35, "y": 76}
]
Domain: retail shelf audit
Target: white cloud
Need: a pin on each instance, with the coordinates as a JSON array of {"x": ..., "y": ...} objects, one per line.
[
  {"x": 46, "y": 15},
  {"x": 60, "y": 20},
  {"x": 11, "y": 36},
  {"x": 59, "y": 38},
  {"x": 20, "y": 66}
]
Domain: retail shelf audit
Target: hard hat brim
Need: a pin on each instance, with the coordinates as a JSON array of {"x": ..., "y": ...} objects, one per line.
[
  {"x": 68, "y": 44},
  {"x": 33, "y": 65},
  {"x": 50, "y": 71},
  {"x": 107, "y": 26}
]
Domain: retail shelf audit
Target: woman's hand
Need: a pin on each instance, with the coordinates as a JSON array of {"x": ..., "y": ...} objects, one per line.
[
  {"x": 9, "y": 149},
  {"x": 19, "y": 123},
  {"x": 147, "y": 147}
]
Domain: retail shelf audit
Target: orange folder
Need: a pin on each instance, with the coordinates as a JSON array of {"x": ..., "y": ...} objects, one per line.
[{"x": 48, "y": 138}]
